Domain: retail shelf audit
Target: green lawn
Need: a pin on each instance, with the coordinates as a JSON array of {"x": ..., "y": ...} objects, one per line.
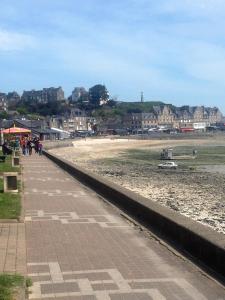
[
  {"x": 10, "y": 206},
  {"x": 7, "y": 165},
  {"x": 10, "y": 283}
]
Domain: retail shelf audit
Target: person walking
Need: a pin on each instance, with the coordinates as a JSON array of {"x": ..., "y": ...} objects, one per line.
[
  {"x": 40, "y": 146},
  {"x": 26, "y": 146},
  {"x": 23, "y": 146},
  {"x": 29, "y": 146},
  {"x": 36, "y": 145}
]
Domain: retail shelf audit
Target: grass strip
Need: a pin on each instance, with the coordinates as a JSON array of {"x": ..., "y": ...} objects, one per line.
[
  {"x": 9, "y": 285},
  {"x": 7, "y": 165},
  {"x": 10, "y": 204}
]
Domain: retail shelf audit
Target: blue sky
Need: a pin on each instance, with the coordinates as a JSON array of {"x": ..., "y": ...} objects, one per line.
[{"x": 172, "y": 50}]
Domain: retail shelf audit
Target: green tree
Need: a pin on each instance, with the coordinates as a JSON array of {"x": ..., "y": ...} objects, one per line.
[
  {"x": 97, "y": 94},
  {"x": 3, "y": 115},
  {"x": 111, "y": 103},
  {"x": 22, "y": 110}
]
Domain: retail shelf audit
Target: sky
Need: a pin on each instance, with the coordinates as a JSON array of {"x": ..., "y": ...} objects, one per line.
[{"x": 172, "y": 50}]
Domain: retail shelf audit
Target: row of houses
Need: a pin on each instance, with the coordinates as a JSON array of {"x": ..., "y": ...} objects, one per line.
[
  {"x": 183, "y": 118},
  {"x": 53, "y": 127},
  {"x": 46, "y": 95},
  {"x": 198, "y": 117},
  {"x": 160, "y": 115},
  {"x": 77, "y": 120},
  {"x": 12, "y": 98},
  {"x": 43, "y": 96}
]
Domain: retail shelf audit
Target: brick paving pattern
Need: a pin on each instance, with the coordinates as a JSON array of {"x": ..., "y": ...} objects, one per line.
[{"x": 80, "y": 248}]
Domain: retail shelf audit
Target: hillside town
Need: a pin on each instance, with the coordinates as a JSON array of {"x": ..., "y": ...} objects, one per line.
[{"x": 50, "y": 114}]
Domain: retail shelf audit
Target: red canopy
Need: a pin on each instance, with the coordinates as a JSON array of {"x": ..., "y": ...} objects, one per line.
[{"x": 14, "y": 130}]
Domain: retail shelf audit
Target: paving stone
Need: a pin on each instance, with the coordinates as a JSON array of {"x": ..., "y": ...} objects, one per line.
[
  {"x": 104, "y": 286},
  {"x": 90, "y": 276},
  {"x": 131, "y": 296},
  {"x": 38, "y": 269},
  {"x": 80, "y": 248},
  {"x": 59, "y": 287}
]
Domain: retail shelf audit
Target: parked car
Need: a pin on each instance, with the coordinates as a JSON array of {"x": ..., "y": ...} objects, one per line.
[
  {"x": 152, "y": 129},
  {"x": 168, "y": 165},
  {"x": 84, "y": 133}
]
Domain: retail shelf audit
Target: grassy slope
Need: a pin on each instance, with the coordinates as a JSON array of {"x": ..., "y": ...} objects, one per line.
[{"x": 123, "y": 108}]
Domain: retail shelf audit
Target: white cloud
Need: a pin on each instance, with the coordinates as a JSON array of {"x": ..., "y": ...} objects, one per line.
[{"x": 13, "y": 41}]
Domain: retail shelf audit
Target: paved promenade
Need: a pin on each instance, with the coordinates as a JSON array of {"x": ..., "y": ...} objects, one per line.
[{"x": 80, "y": 248}]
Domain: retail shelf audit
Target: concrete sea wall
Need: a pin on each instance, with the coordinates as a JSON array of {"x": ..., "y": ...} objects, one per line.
[{"x": 202, "y": 243}]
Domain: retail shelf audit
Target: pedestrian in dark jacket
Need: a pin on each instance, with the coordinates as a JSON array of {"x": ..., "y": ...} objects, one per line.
[
  {"x": 40, "y": 146},
  {"x": 29, "y": 146},
  {"x": 36, "y": 146}
]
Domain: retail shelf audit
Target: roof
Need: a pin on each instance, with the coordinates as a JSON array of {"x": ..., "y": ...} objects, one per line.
[{"x": 29, "y": 123}]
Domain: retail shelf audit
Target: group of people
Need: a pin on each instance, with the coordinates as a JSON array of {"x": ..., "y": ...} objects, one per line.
[{"x": 27, "y": 145}]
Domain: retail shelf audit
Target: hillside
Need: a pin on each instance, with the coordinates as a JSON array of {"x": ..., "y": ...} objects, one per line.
[{"x": 119, "y": 109}]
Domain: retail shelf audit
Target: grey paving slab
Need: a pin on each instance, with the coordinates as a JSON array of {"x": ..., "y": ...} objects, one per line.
[
  {"x": 80, "y": 248},
  {"x": 12, "y": 248}
]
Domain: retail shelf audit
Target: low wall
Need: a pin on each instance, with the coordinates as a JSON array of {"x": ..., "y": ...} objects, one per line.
[
  {"x": 57, "y": 144},
  {"x": 201, "y": 242}
]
